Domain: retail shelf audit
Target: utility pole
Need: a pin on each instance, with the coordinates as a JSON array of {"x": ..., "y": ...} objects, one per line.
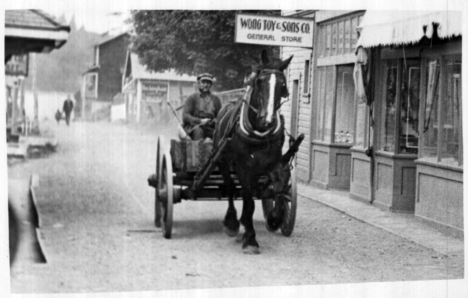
[{"x": 34, "y": 89}]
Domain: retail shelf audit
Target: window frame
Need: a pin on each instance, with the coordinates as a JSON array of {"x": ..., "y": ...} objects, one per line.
[{"x": 442, "y": 58}]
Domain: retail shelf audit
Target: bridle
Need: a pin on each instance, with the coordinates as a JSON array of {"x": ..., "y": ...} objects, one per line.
[
  {"x": 247, "y": 98},
  {"x": 254, "y": 79}
]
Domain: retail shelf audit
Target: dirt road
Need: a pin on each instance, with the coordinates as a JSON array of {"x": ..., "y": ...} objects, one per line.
[{"x": 98, "y": 233}]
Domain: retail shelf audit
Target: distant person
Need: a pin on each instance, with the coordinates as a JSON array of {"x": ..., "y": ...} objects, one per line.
[
  {"x": 58, "y": 116},
  {"x": 67, "y": 109},
  {"x": 200, "y": 109}
]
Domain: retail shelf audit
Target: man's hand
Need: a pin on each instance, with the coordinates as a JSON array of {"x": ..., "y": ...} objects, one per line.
[{"x": 204, "y": 121}]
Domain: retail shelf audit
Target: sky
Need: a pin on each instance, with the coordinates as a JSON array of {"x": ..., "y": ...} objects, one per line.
[{"x": 99, "y": 20}]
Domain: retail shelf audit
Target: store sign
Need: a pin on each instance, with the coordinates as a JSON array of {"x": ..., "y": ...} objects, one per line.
[
  {"x": 154, "y": 91},
  {"x": 276, "y": 31},
  {"x": 17, "y": 66}
]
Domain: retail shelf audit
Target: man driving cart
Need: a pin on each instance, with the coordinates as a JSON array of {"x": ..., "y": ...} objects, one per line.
[{"x": 200, "y": 110}]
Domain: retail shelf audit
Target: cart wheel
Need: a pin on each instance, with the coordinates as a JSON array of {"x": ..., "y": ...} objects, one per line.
[
  {"x": 291, "y": 205},
  {"x": 157, "y": 203},
  {"x": 166, "y": 194}
]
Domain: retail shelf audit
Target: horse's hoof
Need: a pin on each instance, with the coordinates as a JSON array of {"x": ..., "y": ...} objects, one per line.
[
  {"x": 230, "y": 232},
  {"x": 251, "y": 250},
  {"x": 273, "y": 224}
]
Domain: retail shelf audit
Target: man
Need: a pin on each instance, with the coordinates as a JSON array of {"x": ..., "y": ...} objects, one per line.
[
  {"x": 200, "y": 110},
  {"x": 67, "y": 109}
]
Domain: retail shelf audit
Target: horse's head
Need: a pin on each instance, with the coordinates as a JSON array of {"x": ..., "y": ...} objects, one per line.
[{"x": 269, "y": 86}]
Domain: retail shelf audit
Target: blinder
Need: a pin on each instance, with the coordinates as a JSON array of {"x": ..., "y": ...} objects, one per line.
[{"x": 264, "y": 72}]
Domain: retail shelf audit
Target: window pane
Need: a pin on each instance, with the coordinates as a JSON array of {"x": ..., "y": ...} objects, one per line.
[
  {"x": 409, "y": 134},
  {"x": 451, "y": 111},
  {"x": 334, "y": 39},
  {"x": 344, "y": 128},
  {"x": 347, "y": 39},
  {"x": 340, "y": 37},
  {"x": 389, "y": 106},
  {"x": 430, "y": 113},
  {"x": 320, "y": 102},
  {"x": 354, "y": 37},
  {"x": 361, "y": 124},
  {"x": 328, "y": 104},
  {"x": 328, "y": 36}
]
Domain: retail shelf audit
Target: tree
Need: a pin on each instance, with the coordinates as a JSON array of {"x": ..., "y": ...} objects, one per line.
[{"x": 194, "y": 42}]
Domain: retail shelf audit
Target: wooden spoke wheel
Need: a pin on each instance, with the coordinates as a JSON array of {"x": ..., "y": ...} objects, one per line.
[
  {"x": 157, "y": 203},
  {"x": 166, "y": 194},
  {"x": 290, "y": 197},
  {"x": 291, "y": 204}
]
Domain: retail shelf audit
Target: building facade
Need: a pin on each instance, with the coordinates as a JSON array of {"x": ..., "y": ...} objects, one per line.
[
  {"x": 147, "y": 94},
  {"x": 398, "y": 147},
  {"x": 103, "y": 81}
]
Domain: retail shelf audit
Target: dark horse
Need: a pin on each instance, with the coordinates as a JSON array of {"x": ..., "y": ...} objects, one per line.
[{"x": 256, "y": 130}]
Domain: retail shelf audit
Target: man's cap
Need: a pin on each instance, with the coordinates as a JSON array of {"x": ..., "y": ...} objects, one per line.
[{"x": 205, "y": 76}]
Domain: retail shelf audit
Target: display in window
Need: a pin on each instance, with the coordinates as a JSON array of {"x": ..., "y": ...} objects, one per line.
[
  {"x": 430, "y": 128},
  {"x": 409, "y": 134},
  {"x": 344, "y": 120},
  {"x": 389, "y": 106},
  {"x": 451, "y": 112}
]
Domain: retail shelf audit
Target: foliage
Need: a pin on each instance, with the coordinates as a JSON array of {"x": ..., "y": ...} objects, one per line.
[{"x": 194, "y": 42}]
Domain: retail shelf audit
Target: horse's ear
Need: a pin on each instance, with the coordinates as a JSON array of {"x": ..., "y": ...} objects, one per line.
[
  {"x": 265, "y": 59},
  {"x": 285, "y": 63}
]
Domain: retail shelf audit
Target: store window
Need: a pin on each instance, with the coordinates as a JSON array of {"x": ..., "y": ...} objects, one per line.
[
  {"x": 336, "y": 101},
  {"x": 451, "y": 112},
  {"x": 344, "y": 122},
  {"x": 430, "y": 128},
  {"x": 325, "y": 102},
  {"x": 442, "y": 138},
  {"x": 409, "y": 113},
  {"x": 361, "y": 124},
  {"x": 389, "y": 105},
  {"x": 400, "y": 127}
]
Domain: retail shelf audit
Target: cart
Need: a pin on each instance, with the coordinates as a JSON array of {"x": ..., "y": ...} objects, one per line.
[{"x": 186, "y": 170}]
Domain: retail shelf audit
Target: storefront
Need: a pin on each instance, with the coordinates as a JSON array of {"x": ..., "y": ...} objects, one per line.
[
  {"x": 26, "y": 31},
  {"x": 146, "y": 94},
  {"x": 335, "y": 109},
  {"x": 417, "y": 162}
]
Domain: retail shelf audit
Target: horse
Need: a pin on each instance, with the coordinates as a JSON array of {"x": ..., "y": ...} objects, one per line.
[{"x": 256, "y": 131}]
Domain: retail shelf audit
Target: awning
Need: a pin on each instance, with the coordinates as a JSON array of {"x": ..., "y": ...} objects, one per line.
[{"x": 383, "y": 28}]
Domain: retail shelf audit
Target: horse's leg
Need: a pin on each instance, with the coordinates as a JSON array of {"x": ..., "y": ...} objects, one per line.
[
  {"x": 279, "y": 180},
  {"x": 231, "y": 224},
  {"x": 250, "y": 244}
]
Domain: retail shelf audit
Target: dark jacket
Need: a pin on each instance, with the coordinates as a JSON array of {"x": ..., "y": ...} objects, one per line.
[
  {"x": 196, "y": 108},
  {"x": 68, "y": 106}
]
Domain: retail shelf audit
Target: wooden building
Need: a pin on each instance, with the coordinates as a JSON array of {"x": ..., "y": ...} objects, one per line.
[
  {"x": 26, "y": 31},
  {"x": 146, "y": 93},
  {"x": 418, "y": 144},
  {"x": 403, "y": 151},
  {"x": 103, "y": 81}
]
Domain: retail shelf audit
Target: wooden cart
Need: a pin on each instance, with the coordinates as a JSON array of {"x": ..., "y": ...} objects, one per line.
[{"x": 186, "y": 170}]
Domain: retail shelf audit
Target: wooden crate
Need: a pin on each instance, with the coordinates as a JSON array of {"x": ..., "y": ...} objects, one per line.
[{"x": 190, "y": 156}]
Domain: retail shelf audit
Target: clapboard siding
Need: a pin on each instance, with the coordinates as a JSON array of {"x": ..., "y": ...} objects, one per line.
[{"x": 296, "y": 72}]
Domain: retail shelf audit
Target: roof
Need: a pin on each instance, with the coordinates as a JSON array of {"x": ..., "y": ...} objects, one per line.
[
  {"x": 34, "y": 24},
  {"x": 112, "y": 37},
  {"x": 382, "y": 28},
  {"x": 139, "y": 71}
]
